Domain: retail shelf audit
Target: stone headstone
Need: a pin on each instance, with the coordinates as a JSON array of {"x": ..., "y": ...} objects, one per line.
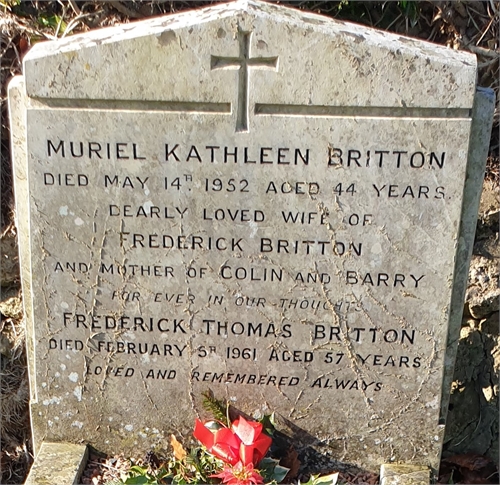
[{"x": 251, "y": 199}]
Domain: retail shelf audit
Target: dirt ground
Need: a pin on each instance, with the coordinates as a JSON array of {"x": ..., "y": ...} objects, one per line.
[{"x": 467, "y": 25}]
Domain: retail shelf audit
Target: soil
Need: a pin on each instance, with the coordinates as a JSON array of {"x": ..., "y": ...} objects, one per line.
[{"x": 471, "y": 442}]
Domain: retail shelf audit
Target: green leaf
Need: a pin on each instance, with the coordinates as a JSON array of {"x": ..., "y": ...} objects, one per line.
[
  {"x": 213, "y": 425},
  {"x": 310, "y": 481},
  {"x": 410, "y": 10},
  {"x": 7, "y": 4},
  {"x": 272, "y": 471},
  {"x": 139, "y": 469},
  {"x": 140, "y": 480},
  {"x": 327, "y": 479},
  {"x": 280, "y": 473},
  {"x": 269, "y": 423},
  {"x": 55, "y": 22},
  {"x": 324, "y": 480}
]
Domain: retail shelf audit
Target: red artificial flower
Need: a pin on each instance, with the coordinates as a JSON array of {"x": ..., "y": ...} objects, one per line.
[
  {"x": 240, "y": 474},
  {"x": 244, "y": 442},
  {"x": 254, "y": 443},
  {"x": 222, "y": 443}
]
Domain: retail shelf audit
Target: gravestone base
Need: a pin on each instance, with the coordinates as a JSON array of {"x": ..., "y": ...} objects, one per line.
[
  {"x": 60, "y": 463},
  {"x": 404, "y": 475},
  {"x": 63, "y": 463}
]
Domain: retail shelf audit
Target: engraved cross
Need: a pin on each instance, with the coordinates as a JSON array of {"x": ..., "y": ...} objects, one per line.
[{"x": 243, "y": 62}]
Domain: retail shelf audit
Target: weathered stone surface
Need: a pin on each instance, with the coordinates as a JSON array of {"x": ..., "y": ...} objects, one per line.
[
  {"x": 379, "y": 69},
  {"x": 404, "y": 475},
  {"x": 60, "y": 463},
  {"x": 273, "y": 212}
]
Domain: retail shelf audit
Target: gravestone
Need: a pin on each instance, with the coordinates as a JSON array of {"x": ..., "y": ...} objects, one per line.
[{"x": 251, "y": 199}]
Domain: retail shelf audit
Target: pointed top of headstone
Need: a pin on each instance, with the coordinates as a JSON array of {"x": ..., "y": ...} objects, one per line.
[{"x": 353, "y": 65}]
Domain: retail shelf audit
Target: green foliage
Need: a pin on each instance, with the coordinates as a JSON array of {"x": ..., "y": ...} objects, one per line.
[
  {"x": 139, "y": 475},
  {"x": 410, "y": 11},
  {"x": 269, "y": 423},
  {"x": 53, "y": 21},
  {"x": 272, "y": 471},
  {"x": 8, "y": 4},
  {"x": 322, "y": 480},
  {"x": 219, "y": 409},
  {"x": 398, "y": 16},
  {"x": 195, "y": 468}
]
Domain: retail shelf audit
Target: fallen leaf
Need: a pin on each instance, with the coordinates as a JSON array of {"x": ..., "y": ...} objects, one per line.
[
  {"x": 23, "y": 45},
  {"x": 473, "y": 477},
  {"x": 291, "y": 460},
  {"x": 471, "y": 461},
  {"x": 469, "y": 468},
  {"x": 179, "y": 451},
  {"x": 445, "y": 477}
]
